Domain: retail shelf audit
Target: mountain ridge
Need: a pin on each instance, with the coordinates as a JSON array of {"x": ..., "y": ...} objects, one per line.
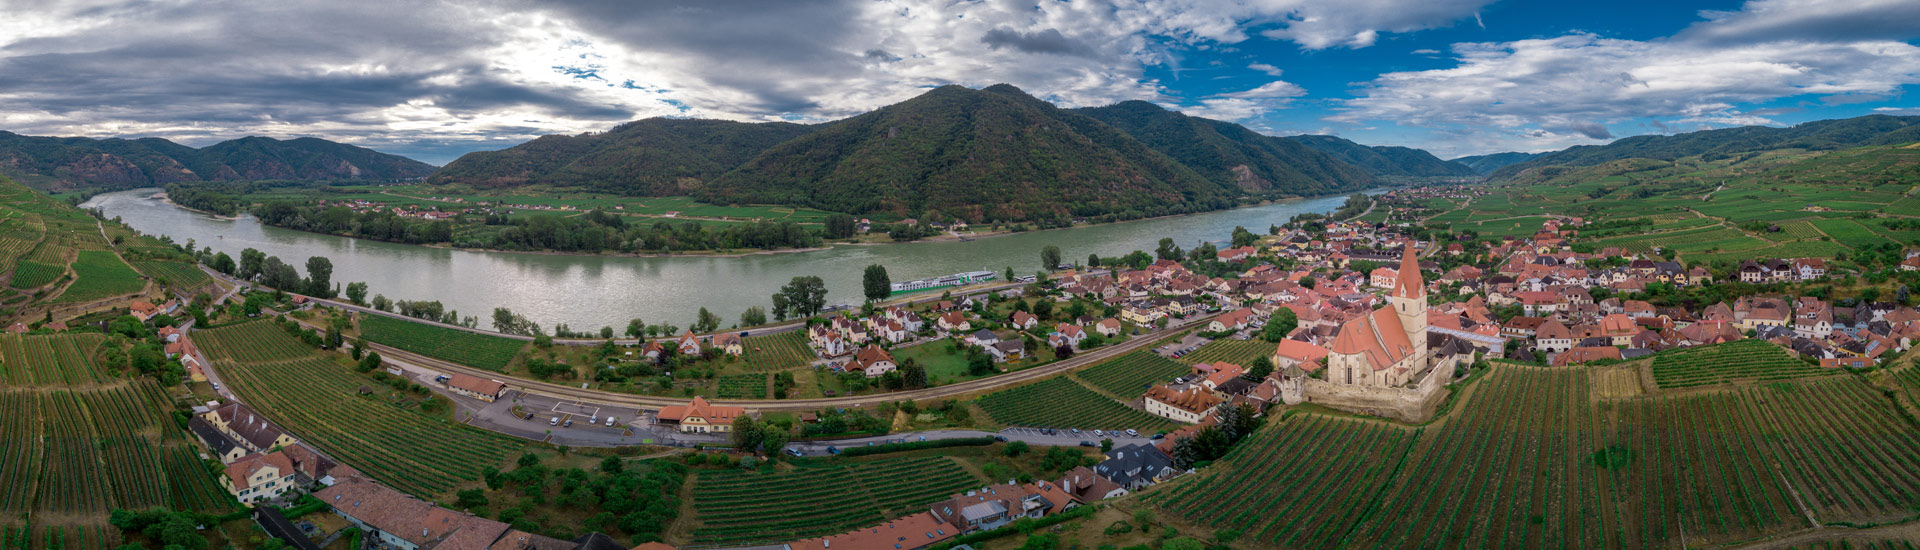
[
  {"x": 1816, "y": 135},
  {"x": 117, "y": 163},
  {"x": 1385, "y": 160}
]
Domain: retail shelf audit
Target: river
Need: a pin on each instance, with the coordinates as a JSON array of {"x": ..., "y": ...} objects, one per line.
[{"x": 588, "y": 292}]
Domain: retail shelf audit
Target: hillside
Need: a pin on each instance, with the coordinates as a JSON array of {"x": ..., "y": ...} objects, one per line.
[
  {"x": 54, "y": 163},
  {"x": 1486, "y": 164},
  {"x": 1232, "y": 155},
  {"x": 1711, "y": 144},
  {"x": 656, "y": 156},
  {"x": 979, "y": 155},
  {"x": 1386, "y": 160}
]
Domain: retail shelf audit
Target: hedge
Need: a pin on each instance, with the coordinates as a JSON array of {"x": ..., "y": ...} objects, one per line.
[{"x": 916, "y": 445}]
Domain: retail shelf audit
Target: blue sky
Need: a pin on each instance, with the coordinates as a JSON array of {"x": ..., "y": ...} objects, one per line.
[{"x": 433, "y": 80}]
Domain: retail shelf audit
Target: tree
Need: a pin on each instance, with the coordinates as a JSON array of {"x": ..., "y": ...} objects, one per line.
[
  {"x": 469, "y": 499},
  {"x": 753, "y": 316},
  {"x": 1242, "y": 237},
  {"x": 357, "y": 292},
  {"x": 636, "y": 328},
  {"x": 222, "y": 263},
  {"x": 978, "y": 362},
  {"x": 1063, "y": 351},
  {"x": 1279, "y": 325},
  {"x": 1009, "y": 274},
  {"x": 279, "y": 275},
  {"x": 806, "y": 295},
  {"x": 320, "y": 277},
  {"x": 840, "y": 226},
  {"x": 381, "y": 303},
  {"x": 772, "y": 440},
  {"x": 1015, "y": 448},
  {"x": 706, "y": 321},
  {"x": 779, "y": 307},
  {"x": 1259, "y": 370},
  {"x": 876, "y": 284},
  {"x": 252, "y": 262},
  {"x": 1049, "y": 257},
  {"x": 1093, "y": 260},
  {"x": 370, "y": 362},
  {"x": 746, "y": 433},
  {"x": 912, "y": 375}
]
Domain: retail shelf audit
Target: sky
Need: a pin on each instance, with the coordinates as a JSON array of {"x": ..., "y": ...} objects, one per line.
[{"x": 433, "y": 80}]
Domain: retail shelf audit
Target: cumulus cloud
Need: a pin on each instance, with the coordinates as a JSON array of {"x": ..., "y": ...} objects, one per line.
[
  {"x": 1818, "y": 20},
  {"x": 1245, "y": 104},
  {"x": 1265, "y": 68}
]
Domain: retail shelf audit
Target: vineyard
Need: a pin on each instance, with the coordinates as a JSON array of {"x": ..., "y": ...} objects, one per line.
[
  {"x": 86, "y": 452},
  {"x": 1320, "y": 472},
  {"x": 1737, "y": 360},
  {"x": 52, "y": 360},
  {"x": 250, "y": 342},
  {"x": 181, "y": 276},
  {"x": 101, "y": 274},
  {"x": 459, "y": 346},
  {"x": 1064, "y": 403},
  {"x": 31, "y": 274},
  {"x": 1238, "y": 352},
  {"x": 319, "y": 401},
  {"x": 1908, "y": 380},
  {"x": 744, "y": 508},
  {"x": 1129, "y": 375},
  {"x": 778, "y": 351},
  {"x": 741, "y": 386},
  {"x": 1848, "y": 451}
]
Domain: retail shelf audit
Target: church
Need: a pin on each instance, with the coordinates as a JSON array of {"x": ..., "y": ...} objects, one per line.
[{"x": 1387, "y": 347}]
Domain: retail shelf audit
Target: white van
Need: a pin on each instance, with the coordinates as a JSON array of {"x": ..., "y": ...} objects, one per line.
[
  {"x": 611, "y": 419},
  {"x": 554, "y": 422}
]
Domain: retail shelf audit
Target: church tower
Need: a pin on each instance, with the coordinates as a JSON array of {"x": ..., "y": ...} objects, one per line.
[{"x": 1409, "y": 301}]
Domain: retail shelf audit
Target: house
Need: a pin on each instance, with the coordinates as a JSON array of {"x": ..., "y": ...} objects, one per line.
[
  {"x": 143, "y": 310},
  {"x": 687, "y": 344},
  {"x": 833, "y": 345},
  {"x": 1066, "y": 334},
  {"x": 908, "y": 533},
  {"x": 257, "y": 477},
  {"x": 1292, "y": 352},
  {"x": 953, "y": 321},
  {"x": 1232, "y": 320},
  {"x": 169, "y": 334},
  {"x": 1192, "y": 406},
  {"x": 990, "y": 507},
  {"x": 248, "y": 428},
  {"x": 983, "y": 338},
  {"x": 1136, "y": 466},
  {"x": 1222, "y": 373},
  {"x": 221, "y": 445},
  {"x": 1109, "y": 327},
  {"x": 394, "y": 519},
  {"x": 699, "y": 416},
  {"x": 1586, "y": 355},
  {"x": 1024, "y": 320},
  {"x": 730, "y": 342},
  {"x": 476, "y": 387},
  {"x": 1006, "y": 351},
  {"x": 1235, "y": 254},
  {"x": 874, "y": 361}
]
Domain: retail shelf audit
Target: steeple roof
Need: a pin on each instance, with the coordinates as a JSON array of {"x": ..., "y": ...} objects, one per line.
[{"x": 1409, "y": 284}]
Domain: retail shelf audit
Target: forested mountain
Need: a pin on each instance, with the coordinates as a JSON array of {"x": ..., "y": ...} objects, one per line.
[
  {"x": 979, "y": 155},
  {"x": 1232, "y": 155},
  {"x": 655, "y": 156},
  {"x": 1486, "y": 164},
  {"x": 1385, "y": 160},
  {"x": 56, "y": 163},
  {"x": 1714, "y": 144}
]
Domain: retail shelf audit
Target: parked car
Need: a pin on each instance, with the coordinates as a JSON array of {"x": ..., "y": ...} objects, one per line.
[
  {"x": 833, "y": 450},
  {"x": 923, "y": 438},
  {"x": 1159, "y": 436},
  {"x": 1097, "y": 433},
  {"x": 793, "y": 451},
  {"x": 611, "y": 419},
  {"x": 999, "y": 438},
  {"x": 1132, "y": 433},
  {"x": 529, "y": 416},
  {"x": 1076, "y": 431},
  {"x": 568, "y": 424},
  {"x": 1089, "y": 444},
  {"x": 554, "y": 422}
]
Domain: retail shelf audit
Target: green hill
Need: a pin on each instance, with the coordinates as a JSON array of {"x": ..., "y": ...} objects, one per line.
[
  {"x": 1386, "y": 160},
  {"x": 1486, "y": 164},
  {"x": 56, "y": 163},
  {"x": 1232, "y": 155},
  {"x": 1820, "y": 135},
  {"x": 980, "y": 155},
  {"x": 655, "y": 156}
]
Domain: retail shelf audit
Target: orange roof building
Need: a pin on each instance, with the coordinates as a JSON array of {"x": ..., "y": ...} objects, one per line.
[
  {"x": 699, "y": 416},
  {"x": 1388, "y": 346}
]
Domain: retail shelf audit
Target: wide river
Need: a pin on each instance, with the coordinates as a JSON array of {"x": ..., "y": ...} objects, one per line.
[{"x": 588, "y": 292}]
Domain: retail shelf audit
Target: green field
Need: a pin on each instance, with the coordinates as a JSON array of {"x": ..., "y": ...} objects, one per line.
[
  {"x": 781, "y": 351},
  {"x": 1737, "y": 360},
  {"x": 1238, "y": 352},
  {"x": 741, "y": 386},
  {"x": 32, "y": 274},
  {"x": 178, "y": 275},
  {"x": 1064, "y": 403},
  {"x": 320, "y": 401},
  {"x": 101, "y": 274},
  {"x": 745, "y": 508},
  {"x": 459, "y": 346},
  {"x": 250, "y": 342},
  {"x": 1130, "y": 375}
]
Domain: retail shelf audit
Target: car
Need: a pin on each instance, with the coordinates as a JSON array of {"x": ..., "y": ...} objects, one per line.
[
  {"x": 1000, "y": 438},
  {"x": 793, "y": 451},
  {"x": 923, "y": 438},
  {"x": 216, "y": 385},
  {"x": 1098, "y": 433},
  {"x": 1132, "y": 433},
  {"x": 1076, "y": 431},
  {"x": 529, "y": 416},
  {"x": 554, "y": 422},
  {"x": 568, "y": 424},
  {"x": 1089, "y": 444},
  {"x": 611, "y": 419},
  {"x": 833, "y": 450},
  {"x": 1159, "y": 436},
  {"x": 594, "y": 420}
]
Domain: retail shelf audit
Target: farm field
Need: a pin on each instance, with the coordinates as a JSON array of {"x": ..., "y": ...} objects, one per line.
[
  {"x": 741, "y": 386},
  {"x": 1737, "y": 360},
  {"x": 1238, "y": 352},
  {"x": 318, "y": 400},
  {"x": 744, "y": 508},
  {"x": 1129, "y": 375},
  {"x": 250, "y": 342},
  {"x": 467, "y": 348},
  {"x": 32, "y": 274},
  {"x": 1064, "y": 403},
  {"x": 53, "y": 360},
  {"x": 183, "y": 276},
  {"x": 1850, "y": 233},
  {"x": 781, "y": 351},
  {"x": 101, "y": 274}
]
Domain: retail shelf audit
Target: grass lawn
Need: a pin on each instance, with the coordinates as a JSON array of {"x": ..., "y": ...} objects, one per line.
[{"x": 943, "y": 366}]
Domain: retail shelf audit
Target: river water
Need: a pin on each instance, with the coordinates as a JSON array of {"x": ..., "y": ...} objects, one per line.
[{"x": 587, "y": 292}]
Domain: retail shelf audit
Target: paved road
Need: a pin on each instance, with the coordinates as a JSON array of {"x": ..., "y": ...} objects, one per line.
[{"x": 1033, "y": 436}]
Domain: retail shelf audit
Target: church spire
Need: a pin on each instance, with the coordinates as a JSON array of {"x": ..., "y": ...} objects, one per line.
[{"x": 1407, "y": 283}]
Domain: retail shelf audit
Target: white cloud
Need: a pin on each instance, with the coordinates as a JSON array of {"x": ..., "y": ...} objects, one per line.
[
  {"x": 1265, "y": 68},
  {"x": 1826, "y": 20},
  {"x": 1245, "y": 104}
]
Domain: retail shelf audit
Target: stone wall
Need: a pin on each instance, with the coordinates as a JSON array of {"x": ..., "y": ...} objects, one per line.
[{"x": 1416, "y": 403}]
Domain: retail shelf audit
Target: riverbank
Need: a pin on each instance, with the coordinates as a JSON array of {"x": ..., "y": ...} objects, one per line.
[
  {"x": 162, "y": 195},
  {"x": 688, "y": 254}
]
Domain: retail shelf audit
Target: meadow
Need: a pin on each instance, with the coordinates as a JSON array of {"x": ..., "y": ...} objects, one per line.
[
  {"x": 459, "y": 346},
  {"x": 101, "y": 274}
]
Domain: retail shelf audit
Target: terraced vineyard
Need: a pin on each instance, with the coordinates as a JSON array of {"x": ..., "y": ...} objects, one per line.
[
  {"x": 1849, "y": 452},
  {"x": 1737, "y": 360},
  {"x": 1064, "y": 403},
  {"x": 31, "y": 274},
  {"x": 250, "y": 342},
  {"x": 85, "y": 452},
  {"x": 1323, "y": 471},
  {"x": 179, "y": 275},
  {"x": 459, "y": 346},
  {"x": 744, "y": 508},
  {"x": 778, "y": 351},
  {"x": 100, "y": 274},
  {"x": 741, "y": 386},
  {"x": 52, "y": 360},
  {"x": 318, "y": 400},
  {"x": 1130, "y": 375},
  {"x": 1238, "y": 352}
]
